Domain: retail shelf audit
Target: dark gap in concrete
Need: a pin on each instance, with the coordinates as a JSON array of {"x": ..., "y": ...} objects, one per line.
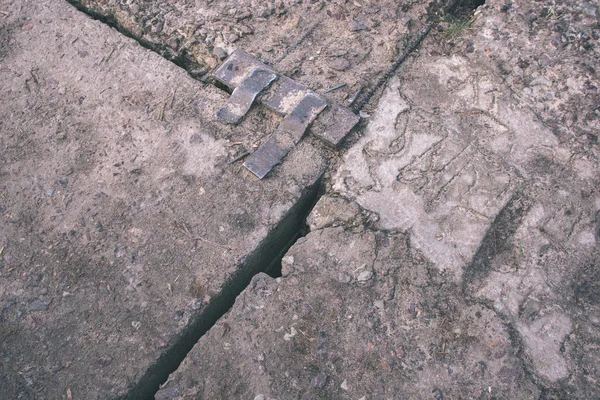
[
  {"x": 465, "y": 8},
  {"x": 266, "y": 257},
  {"x": 181, "y": 59},
  {"x": 222, "y": 86},
  {"x": 274, "y": 270},
  {"x": 497, "y": 240}
]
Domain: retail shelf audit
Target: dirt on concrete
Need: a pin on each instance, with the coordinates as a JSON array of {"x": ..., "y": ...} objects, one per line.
[
  {"x": 318, "y": 43},
  {"x": 356, "y": 315}
]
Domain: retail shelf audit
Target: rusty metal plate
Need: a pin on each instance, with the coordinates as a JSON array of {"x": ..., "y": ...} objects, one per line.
[
  {"x": 281, "y": 97},
  {"x": 334, "y": 124},
  {"x": 237, "y": 67},
  {"x": 243, "y": 96},
  {"x": 288, "y": 134}
]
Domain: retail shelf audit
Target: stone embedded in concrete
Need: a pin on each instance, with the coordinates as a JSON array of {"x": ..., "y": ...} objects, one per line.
[
  {"x": 332, "y": 212},
  {"x": 122, "y": 216}
]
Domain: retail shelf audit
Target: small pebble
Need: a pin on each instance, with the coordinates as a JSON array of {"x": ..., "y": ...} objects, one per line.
[
  {"x": 320, "y": 380},
  {"x": 355, "y": 26},
  {"x": 168, "y": 393},
  {"x": 220, "y": 53},
  {"x": 211, "y": 62},
  {"x": 344, "y": 278},
  {"x": 344, "y": 385},
  {"x": 39, "y": 305},
  {"x": 364, "y": 276}
]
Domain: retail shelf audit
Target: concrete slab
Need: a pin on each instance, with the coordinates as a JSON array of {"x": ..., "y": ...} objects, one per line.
[
  {"x": 126, "y": 219},
  {"x": 466, "y": 256},
  {"x": 356, "y": 315}
]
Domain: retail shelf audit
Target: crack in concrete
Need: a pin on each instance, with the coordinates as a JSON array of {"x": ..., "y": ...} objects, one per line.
[
  {"x": 498, "y": 236},
  {"x": 264, "y": 259},
  {"x": 181, "y": 59},
  {"x": 277, "y": 242}
]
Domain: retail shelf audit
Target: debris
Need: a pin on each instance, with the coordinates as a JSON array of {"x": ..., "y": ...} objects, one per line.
[
  {"x": 211, "y": 62},
  {"x": 353, "y": 98},
  {"x": 39, "y": 305},
  {"x": 355, "y": 26},
  {"x": 220, "y": 53},
  {"x": 288, "y": 134},
  {"x": 244, "y": 95},
  {"x": 339, "y": 64},
  {"x": 335, "y": 88},
  {"x": 288, "y": 336}
]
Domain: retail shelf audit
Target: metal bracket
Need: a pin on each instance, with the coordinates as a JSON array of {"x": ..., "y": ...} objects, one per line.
[{"x": 253, "y": 80}]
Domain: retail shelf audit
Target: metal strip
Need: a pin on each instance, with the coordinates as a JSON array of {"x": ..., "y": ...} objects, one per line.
[
  {"x": 288, "y": 134},
  {"x": 244, "y": 95},
  {"x": 334, "y": 124}
]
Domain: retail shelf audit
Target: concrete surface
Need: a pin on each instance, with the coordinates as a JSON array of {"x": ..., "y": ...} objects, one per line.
[
  {"x": 454, "y": 251},
  {"x": 320, "y": 44},
  {"x": 123, "y": 213},
  {"x": 465, "y": 262}
]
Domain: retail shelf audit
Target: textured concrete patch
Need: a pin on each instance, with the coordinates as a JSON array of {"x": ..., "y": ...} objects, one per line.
[{"x": 421, "y": 171}]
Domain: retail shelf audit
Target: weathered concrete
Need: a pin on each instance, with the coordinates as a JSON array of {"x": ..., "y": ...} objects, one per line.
[
  {"x": 126, "y": 223},
  {"x": 356, "y": 315},
  {"x": 466, "y": 258}
]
